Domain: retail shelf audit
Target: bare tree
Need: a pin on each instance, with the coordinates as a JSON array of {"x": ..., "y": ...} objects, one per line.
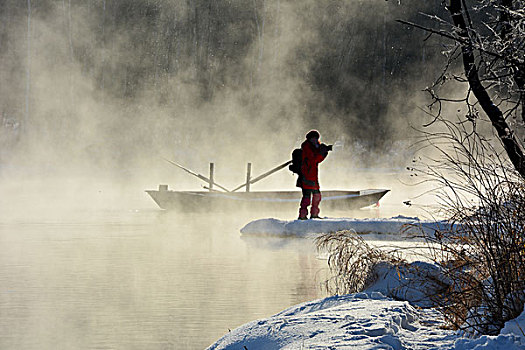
[
  {"x": 477, "y": 186},
  {"x": 490, "y": 39}
]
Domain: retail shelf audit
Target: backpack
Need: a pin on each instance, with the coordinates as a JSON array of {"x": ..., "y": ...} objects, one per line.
[{"x": 297, "y": 159}]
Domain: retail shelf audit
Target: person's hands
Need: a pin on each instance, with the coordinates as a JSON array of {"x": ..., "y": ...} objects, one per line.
[{"x": 325, "y": 148}]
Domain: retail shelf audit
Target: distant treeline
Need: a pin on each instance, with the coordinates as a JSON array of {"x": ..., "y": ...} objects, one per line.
[{"x": 350, "y": 55}]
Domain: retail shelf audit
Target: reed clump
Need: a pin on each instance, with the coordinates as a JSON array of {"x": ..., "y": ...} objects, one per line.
[
  {"x": 480, "y": 256},
  {"x": 483, "y": 257},
  {"x": 351, "y": 261}
]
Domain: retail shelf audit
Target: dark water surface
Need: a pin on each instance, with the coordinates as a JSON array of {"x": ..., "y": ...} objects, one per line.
[{"x": 142, "y": 279}]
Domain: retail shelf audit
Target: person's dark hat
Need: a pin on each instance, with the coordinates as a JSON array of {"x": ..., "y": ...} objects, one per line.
[{"x": 312, "y": 133}]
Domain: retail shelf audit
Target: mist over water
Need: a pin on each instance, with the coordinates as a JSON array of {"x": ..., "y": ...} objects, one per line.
[
  {"x": 142, "y": 280},
  {"x": 99, "y": 266},
  {"x": 111, "y": 85},
  {"x": 94, "y": 94}
]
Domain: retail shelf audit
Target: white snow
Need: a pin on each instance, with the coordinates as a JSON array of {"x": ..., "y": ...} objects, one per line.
[
  {"x": 516, "y": 327},
  {"x": 368, "y": 320},
  {"x": 409, "y": 282},
  {"x": 357, "y": 321},
  {"x": 306, "y": 228}
]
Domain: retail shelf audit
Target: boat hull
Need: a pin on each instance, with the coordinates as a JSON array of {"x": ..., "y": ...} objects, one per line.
[{"x": 194, "y": 201}]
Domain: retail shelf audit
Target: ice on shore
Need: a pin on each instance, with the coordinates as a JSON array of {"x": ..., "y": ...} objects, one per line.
[
  {"x": 394, "y": 312},
  {"x": 357, "y": 321},
  {"x": 368, "y": 320},
  {"x": 304, "y": 228}
]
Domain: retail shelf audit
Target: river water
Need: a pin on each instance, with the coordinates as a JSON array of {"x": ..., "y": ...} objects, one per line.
[
  {"x": 142, "y": 279},
  {"x": 132, "y": 276}
]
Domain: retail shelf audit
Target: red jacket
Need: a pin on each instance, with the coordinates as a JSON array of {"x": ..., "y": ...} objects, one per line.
[{"x": 312, "y": 156}]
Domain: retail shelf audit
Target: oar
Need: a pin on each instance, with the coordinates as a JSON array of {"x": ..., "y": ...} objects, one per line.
[
  {"x": 260, "y": 177},
  {"x": 202, "y": 177}
]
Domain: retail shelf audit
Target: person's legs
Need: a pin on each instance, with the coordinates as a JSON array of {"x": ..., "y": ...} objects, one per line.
[
  {"x": 316, "y": 199},
  {"x": 305, "y": 202}
]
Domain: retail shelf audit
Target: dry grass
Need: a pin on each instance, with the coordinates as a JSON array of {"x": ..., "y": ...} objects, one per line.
[
  {"x": 485, "y": 258},
  {"x": 482, "y": 260},
  {"x": 351, "y": 261}
]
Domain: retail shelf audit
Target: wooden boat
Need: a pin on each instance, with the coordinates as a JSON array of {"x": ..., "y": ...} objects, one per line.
[
  {"x": 226, "y": 200},
  {"x": 260, "y": 200}
]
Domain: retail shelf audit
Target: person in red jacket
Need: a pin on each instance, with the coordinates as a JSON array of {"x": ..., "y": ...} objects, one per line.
[{"x": 313, "y": 153}]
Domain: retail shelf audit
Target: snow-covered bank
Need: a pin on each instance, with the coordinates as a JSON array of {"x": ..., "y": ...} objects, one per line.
[
  {"x": 362, "y": 321},
  {"x": 357, "y": 321},
  {"x": 394, "y": 312},
  {"x": 305, "y": 228}
]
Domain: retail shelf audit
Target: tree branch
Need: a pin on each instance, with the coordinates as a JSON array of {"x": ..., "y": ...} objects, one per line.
[
  {"x": 511, "y": 145},
  {"x": 462, "y": 41}
]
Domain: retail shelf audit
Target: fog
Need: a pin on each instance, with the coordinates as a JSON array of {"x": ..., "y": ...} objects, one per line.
[
  {"x": 105, "y": 89},
  {"x": 94, "y": 95}
]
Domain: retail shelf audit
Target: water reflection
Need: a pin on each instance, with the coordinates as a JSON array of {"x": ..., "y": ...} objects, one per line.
[{"x": 143, "y": 279}]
